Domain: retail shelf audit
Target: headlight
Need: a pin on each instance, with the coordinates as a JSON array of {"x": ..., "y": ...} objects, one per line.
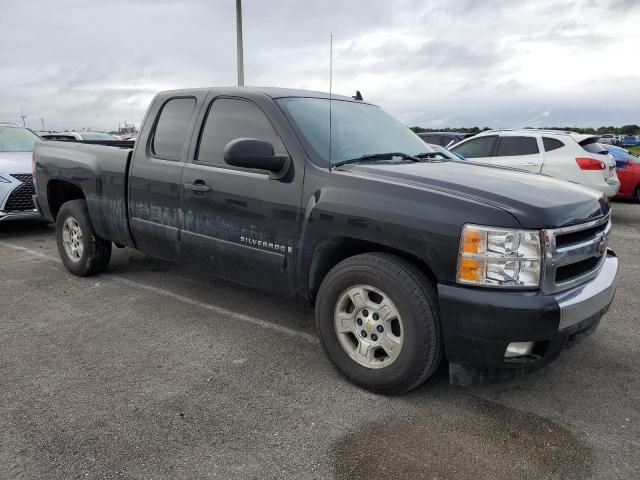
[
  {"x": 4, "y": 180},
  {"x": 498, "y": 257}
]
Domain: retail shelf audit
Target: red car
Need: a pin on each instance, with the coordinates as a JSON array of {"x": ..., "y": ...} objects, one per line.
[{"x": 628, "y": 170}]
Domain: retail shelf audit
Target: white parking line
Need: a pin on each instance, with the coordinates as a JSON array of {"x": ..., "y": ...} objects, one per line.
[{"x": 181, "y": 298}]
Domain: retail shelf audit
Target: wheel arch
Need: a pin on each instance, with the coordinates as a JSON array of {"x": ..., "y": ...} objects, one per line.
[
  {"x": 328, "y": 252},
  {"x": 59, "y": 192}
]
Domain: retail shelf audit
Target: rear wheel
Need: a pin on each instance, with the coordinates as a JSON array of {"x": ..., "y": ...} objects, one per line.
[
  {"x": 81, "y": 251},
  {"x": 378, "y": 320}
]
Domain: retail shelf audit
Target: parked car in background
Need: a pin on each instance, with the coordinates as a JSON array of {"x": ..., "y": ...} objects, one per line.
[
  {"x": 608, "y": 139},
  {"x": 628, "y": 170},
  {"x": 16, "y": 179},
  {"x": 629, "y": 141},
  {"x": 565, "y": 155},
  {"x": 443, "y": 138},
  {"x": 95, "y": 136}
]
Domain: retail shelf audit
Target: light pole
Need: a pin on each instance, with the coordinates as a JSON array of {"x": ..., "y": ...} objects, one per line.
[{"x": 239, "y": 43}]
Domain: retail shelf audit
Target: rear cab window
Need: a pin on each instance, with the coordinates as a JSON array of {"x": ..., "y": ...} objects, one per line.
[{"x": 171, "y": 128}]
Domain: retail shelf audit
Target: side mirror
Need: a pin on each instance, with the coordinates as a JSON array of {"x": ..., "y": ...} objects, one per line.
[{"x": 256, "y": 154}]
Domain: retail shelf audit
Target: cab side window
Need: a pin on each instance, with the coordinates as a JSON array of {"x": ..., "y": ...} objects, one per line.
[
  {"x": 229, "y": 119},
  {"x": 477, "y": 148},
  {"x": 171, "y": 129}
]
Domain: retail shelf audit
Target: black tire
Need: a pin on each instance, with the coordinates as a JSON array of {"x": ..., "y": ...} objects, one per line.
[
  {"x": 96, "y": 252},
  {"x": 415, "y": 298},
  {"x": 636, "y": 194}
]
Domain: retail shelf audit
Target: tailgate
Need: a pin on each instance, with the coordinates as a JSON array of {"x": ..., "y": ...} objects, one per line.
[{"x": 597, "y": 151}]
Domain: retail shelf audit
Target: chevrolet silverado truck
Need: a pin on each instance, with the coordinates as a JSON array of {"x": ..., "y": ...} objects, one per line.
[{"x": 409, "y": 258}]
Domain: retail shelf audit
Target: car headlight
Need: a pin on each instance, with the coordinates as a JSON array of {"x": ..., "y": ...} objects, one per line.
[
  {"x": 4, "y": 180},
  {"x": 499, "y": 257}
]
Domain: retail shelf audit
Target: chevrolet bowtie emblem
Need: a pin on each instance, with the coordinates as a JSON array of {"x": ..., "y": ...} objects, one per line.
[{"x": 368, "y": 325}]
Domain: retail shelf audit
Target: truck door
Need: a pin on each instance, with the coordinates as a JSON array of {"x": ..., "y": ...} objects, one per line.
[
  {"x": 521, "y": 151},
  {"x": 240, "y": 224},
  {"x": 155, "y": 176}
]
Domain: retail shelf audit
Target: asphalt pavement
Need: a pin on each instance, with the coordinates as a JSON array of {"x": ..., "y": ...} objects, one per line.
[{"x": 154, "y": 371}]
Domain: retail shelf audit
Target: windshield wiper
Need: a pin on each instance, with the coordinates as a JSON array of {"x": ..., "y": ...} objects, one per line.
[
  {"x": 433, "y": 156},
  {"x": 379, "y": 156}
]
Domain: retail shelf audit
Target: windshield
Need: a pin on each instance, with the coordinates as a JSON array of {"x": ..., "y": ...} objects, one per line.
[
  {"x": 16, "y": 139},
  {"x": 357, "y": 129},
  {"x": 96, "y": 136}
]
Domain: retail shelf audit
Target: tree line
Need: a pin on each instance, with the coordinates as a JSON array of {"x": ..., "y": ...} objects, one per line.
[{"x": 624, "y": 130}]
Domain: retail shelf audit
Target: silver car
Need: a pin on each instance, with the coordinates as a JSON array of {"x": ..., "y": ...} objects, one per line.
[
  {"x": 608, "y": 139},
  {"x": 16, "y": 179}
]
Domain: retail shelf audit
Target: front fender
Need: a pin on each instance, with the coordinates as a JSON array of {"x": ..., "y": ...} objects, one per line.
[{"x": 420, "y": 223}]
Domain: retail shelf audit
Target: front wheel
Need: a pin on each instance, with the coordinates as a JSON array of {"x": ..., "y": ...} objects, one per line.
[
  {"x": 81, "y": 251},
  {"x": 378, "y": 320}
]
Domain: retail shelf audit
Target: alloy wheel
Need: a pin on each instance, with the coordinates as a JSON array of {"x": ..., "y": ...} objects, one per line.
[
  {"x": 72, "y": 239},
  {"x": 368, "y": 326}
]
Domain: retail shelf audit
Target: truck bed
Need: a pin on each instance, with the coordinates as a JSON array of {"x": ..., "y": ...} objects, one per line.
[{"x": 100, "y": 171}]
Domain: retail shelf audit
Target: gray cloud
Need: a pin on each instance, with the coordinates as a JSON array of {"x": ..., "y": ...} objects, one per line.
[{"x": 495, "y": 63}]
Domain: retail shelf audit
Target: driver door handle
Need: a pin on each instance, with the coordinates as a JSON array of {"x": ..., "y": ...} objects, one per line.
[
  {"x": 530, "y": 164},
  {"x": 198, "y": 187}
]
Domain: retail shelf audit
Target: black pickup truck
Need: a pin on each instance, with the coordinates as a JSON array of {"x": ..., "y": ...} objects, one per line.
[{"x": 408, "y": 257}]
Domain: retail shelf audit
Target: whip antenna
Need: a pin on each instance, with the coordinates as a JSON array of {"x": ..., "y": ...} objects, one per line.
[{"x": 330, "y": 91}]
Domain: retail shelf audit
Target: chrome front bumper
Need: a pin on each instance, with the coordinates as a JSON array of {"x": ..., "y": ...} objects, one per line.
[{"x": 591, "y": 298}]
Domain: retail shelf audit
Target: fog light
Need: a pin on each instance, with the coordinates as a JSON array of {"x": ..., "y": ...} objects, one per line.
[{"x": 518, "y": 349}]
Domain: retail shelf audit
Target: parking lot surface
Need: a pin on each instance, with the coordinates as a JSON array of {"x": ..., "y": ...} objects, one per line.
[{"x": 154, "y": 371}]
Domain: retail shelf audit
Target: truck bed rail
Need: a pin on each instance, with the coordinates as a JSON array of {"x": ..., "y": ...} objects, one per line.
[{"x": 108, "y": 143}]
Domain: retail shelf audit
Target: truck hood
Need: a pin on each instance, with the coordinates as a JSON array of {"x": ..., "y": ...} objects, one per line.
[
  {"x": 536, "y": 201},
  {"x": 15, "y": 162}
]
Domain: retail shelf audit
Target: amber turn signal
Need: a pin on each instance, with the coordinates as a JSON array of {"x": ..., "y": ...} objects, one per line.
[
  {"x": 470, "y": 270},
  {"x": 471, "y": 241}
]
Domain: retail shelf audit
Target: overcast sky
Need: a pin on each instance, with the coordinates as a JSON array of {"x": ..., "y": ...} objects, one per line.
[{"x": 434, "y": 63}]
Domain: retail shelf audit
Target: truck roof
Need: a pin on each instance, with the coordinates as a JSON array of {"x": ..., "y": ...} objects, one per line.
[{"x": 273, "y": 92}]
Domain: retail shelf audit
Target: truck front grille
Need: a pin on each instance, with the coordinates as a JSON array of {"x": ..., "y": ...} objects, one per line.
[
  {"x": 578, "y": 236},
  {"x": 575, "y": 270},
  {"x": 21, "y": 198},
  {"x": 574, "y": 254}
]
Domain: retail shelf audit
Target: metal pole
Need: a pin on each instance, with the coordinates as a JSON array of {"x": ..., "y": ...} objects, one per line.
[
  {"x": 239, "y": 40},
  {"x": 330, "y": 92}
]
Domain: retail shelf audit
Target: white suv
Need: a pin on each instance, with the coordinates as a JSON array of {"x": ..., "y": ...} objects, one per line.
[{"x": 565, "y": 155}]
